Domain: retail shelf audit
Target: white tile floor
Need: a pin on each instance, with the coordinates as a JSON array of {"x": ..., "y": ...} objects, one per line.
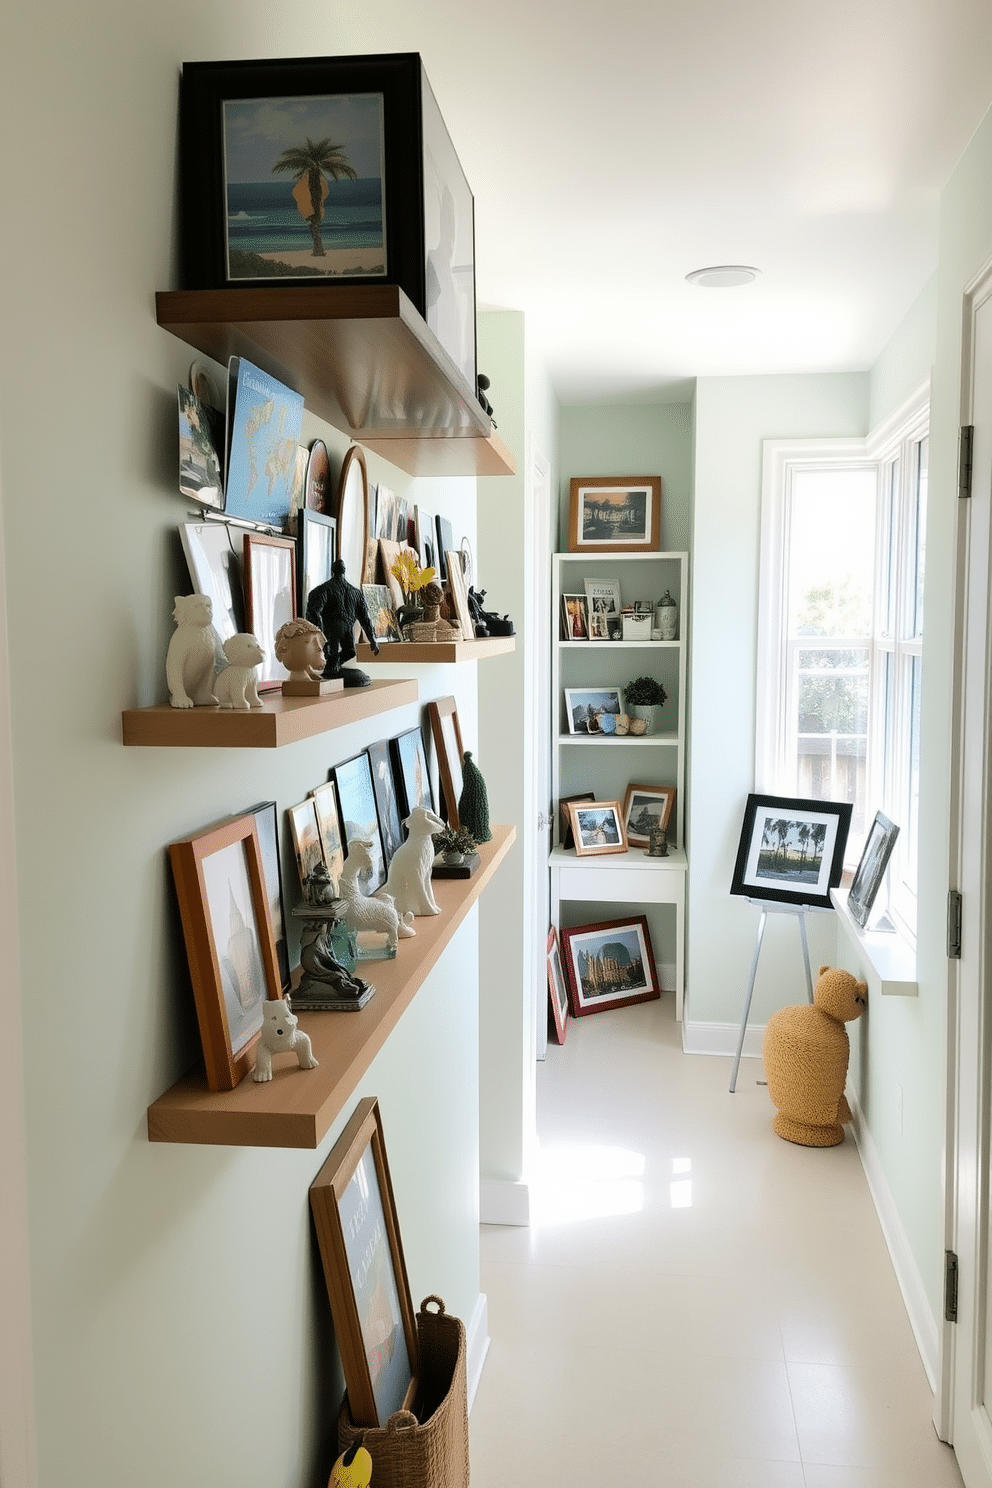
[{"x": 696, "y": 1304}]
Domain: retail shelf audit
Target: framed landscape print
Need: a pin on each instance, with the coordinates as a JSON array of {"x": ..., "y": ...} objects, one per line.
[
  {"x": 413, "y": 781},
  {"x": 329, "y": 833},
  {"x": 359, "y": 815},
  {"x": 610, "y": 964},
  {"x": 557, "y": 988},
  {"x": 382, "y": 612},
  {"x": 791, "y": 850},
  {"x": 871, "y": 869},
  {"x": 644, "y": 807},
  {"x": 615, "y": 514},
  {"x": 354, "y": 1214},
  {"x": 585, "y": 706},
  {"x": 224, "y": 905},
  {"x": 597, "y": 828},
  {"x": 307, "y": 844},
  {"x": 385, "y": 798}
]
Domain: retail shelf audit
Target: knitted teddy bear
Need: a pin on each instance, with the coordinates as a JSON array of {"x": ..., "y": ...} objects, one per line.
[{"x": 805, "y": 1053}]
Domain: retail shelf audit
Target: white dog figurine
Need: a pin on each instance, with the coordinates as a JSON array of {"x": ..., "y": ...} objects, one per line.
[
  {"x": 235, "y": 686},
  {"x": 409, "y": 880},
  {"x": 280, "y": 1031},
  {"x": 191, "y": 659},
  {"x": 364, "y": 912}
]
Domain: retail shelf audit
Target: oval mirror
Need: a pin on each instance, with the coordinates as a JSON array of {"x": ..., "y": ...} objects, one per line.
[{"x": 353, "y": 519}]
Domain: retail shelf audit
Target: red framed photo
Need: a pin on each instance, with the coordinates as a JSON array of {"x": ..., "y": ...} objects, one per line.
[{"x": 609, "y": 965}]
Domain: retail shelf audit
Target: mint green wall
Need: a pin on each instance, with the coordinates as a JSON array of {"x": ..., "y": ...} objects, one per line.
[
  {"x": 906, "y": 361},
  {"x": 631, "y": 439}
]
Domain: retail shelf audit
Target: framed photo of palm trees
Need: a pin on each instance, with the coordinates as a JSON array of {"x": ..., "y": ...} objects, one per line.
[
  {"x": 296, "y": 171},
  {"x": 791, "y": 850}
]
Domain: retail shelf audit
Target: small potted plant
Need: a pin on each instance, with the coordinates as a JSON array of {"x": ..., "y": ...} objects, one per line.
[
  {"x": 455, "y": 844},
  {"x": 643, "y": 698}
]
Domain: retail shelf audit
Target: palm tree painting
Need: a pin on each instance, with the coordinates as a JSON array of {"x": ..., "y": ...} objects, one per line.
[{"x": 310, "y": 165}]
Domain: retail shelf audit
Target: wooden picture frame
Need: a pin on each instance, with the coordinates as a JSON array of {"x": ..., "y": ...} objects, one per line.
[
  {"x": 459, "y": 594},
  {"x": 565, "y": 835},
  {"x": 351, "y": 508},
  {"x": 450, "y": 752},
  {"x": 644, "y": 807},
  {"x": 609, "y": 965},
  {"x": 413, "y": 778},
  {"x": 614, "y": 514},
  {"x": 270, "y": 599},
  {"x": 360, "y": 814},
  {"x": 597, "y": 827},
  {"x": 316, "y": 550},
  {"x": 354, "y": 1214},
  {"x": 329, "y": 830},
  {"x": 871, "y": 868},
  {"x": 224, "y": 906},
  {"x": 791, "y": 850},
  {"x": 557, "y": 986}
]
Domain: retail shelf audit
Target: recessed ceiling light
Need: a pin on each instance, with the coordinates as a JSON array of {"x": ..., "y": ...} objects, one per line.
[{"x": 723, "y": 276}]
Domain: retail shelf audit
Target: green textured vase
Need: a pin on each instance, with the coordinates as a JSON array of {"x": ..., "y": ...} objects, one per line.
[{"x": 473, "y": 803}]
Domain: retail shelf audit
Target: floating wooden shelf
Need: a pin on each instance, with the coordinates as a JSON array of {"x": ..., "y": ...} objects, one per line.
[
  {"x": 296, "y": 1109},
  {"x": 438, "y": 651},
  {"x": 362, "y": 357},
  {"x": 279, "y": 721}
]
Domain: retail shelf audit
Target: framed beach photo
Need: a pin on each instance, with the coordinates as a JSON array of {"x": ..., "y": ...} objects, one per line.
[
  {"x": 447, "y": 736},
  {"x": 557, "y": 986},
  {"x": 329, "y": 830},
  {"x": 871, "y": 869},
  {"x": 597, "y": 827},
  {"x": 791, "y": 850},
  {"x": 360, "y": 815},
  {"x": 316, "y": 550},
  {"x": 213, "y": 555},
  {"x": 585, "y": 707},
  {"x": 609, "y": 964},
  {"x": 413, "y": 781},
  {"x": 354, "y": 1214},
  {"x": 644, "y": 807},
  {"x": 224, "y": 905},
  {"x": 270, "y": 598},
  {"x": 614, "y": 514}
]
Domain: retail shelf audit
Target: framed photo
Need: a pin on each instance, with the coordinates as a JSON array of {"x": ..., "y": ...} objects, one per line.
[
  {"x": 359, "y": 814},
  {"x": 610, "y": 964},
  {"x": 329, "y": 830},
  {"x": 585, "y": 705},
  {"x": 224, "y": 904},
  {"x": 425, "y": 538},
  {"x": 791, "y": 851},
  {"x": 871, "y": 869},
  {"x": 213, "y": 556},
  {"x": 305, "y": 832},
  {"x": 270, "y": 598},
  {"x": 267, "y": 826},
  {"x": 316, "y": 550},
  {"x": 319, "y": 488},
  {"x": 459, "y": 594},
  {"x": 201, "y": 446},
  {"x": 445, "y": 542},
  {"x": 574, "y": 617},
  {"x": 605, "y": 610},
  {"x": 382, "y": 611},
  {"x": 447, "y": 738},
  {"x": 644, "y": 807},
  {"x": 387, "y": 514},
  {"x": 351, "y": 510},
  {"x": 565, "y": 835},
  {"x": 557, "y": 988},
  {"x": 387, "y": 201},
  {"x": 597, "y": 827},
  {"x": 354, "y": 1214},
  {"x": 615, "y": 514},
  {"x": 385, "y": 798},
  {"x": 389, "y": 551},
  {"x": 410, "y": 772}
]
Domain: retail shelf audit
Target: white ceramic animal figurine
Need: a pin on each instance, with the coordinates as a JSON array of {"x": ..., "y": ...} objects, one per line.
[
  {"x": 235, "y": 686},
  {"x": 281, "y": 1031},
  {"x": 191, "y": 659},
  {"x": 362, "y": 912},
  {"x": 409, "y": 880}
]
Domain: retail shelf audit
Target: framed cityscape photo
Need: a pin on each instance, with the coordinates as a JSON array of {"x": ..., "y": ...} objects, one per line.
[
  {"x": 609, "y": 964},
  {"x": 791, "y": 850},
  {"x": 614, "y": 514},
  {"x": 871, "y": 869}
]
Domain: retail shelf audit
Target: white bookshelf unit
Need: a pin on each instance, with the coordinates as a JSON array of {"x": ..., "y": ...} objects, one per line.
[{"x": 607, "y": 765}]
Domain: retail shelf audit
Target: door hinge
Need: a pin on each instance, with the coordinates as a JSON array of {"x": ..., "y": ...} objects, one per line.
[
  {"x": 954, "y": 925},
  {"x": 966, "y": 444},
  {"x": 950, "y": 1287}
]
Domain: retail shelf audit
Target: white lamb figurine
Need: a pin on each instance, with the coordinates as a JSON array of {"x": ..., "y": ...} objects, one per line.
[
  {"x": 362, "y": 912},
  {"x": 409, "y": 879},
  {"x": 281, "y": 1032},
  {"x": 191, "y": 659},
  {"x": 235, "y": 686}
]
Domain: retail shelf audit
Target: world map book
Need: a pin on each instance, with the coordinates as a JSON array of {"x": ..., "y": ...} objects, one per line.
[{"x": 264, "y": 418}]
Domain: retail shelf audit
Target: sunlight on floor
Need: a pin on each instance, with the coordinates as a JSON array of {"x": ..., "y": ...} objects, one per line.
[{"x": 571, "y": 1184}]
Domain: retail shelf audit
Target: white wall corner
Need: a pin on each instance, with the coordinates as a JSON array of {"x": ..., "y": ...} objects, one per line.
[
  {"x": 910, "y": 1281},
  {"x": 476, "y": 1345},
  {"x": 503, "y": 1201}
]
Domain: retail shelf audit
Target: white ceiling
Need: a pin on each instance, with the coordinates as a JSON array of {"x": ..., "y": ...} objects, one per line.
[{"x": 614, "y": 147}]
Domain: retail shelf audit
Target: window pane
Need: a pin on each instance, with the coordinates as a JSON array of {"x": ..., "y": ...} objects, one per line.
[
  {"x": 922, "y": 451},
  {"x": 831, "y": 552},
  {"x": 832, "y": 732}
]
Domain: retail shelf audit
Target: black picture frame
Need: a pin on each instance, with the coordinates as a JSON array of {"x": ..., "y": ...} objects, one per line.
[
  {"x": 764, "y": 871},
  {"x": 386, "y": 799},
  {"x": 316, "y": 550},
  {"x": 871, "y": 868},
  {"x": 360, "y": 813},
  {"x": 381, "y": 112},
  {"x": 411, "y": 772},
  {"x": 267, "y": 826}
]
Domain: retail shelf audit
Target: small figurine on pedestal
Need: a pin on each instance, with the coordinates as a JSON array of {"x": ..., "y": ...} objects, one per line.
[
  {"x": 300, "y": 649},
  {"x": 281, "y": 1032},
  {"x": 326, "y": 984},
  {"x": 336, "y": 607}
]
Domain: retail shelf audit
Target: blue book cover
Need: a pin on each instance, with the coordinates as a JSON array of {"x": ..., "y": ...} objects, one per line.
[{"x": 264, "y": 418}]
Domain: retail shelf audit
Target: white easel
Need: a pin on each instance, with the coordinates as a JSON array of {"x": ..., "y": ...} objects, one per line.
[{"x": 768, "y": 907}]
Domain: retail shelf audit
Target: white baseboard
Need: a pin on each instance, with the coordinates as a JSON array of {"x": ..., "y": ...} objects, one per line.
[
  {"x": 914, "y": 1295},
  {"x": 504, "y": 1202},
  {"x": 476, "y": 1345},
  {"x": 721, "y": 1038}
]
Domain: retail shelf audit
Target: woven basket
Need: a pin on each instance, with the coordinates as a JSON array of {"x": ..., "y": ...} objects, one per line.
[
  {"x": 431, "y": 1452},
  {"x": 422, "y": 630}
]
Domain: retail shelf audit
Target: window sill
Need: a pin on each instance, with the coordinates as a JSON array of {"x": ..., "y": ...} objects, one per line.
[{"x": 885, "y": 960}]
